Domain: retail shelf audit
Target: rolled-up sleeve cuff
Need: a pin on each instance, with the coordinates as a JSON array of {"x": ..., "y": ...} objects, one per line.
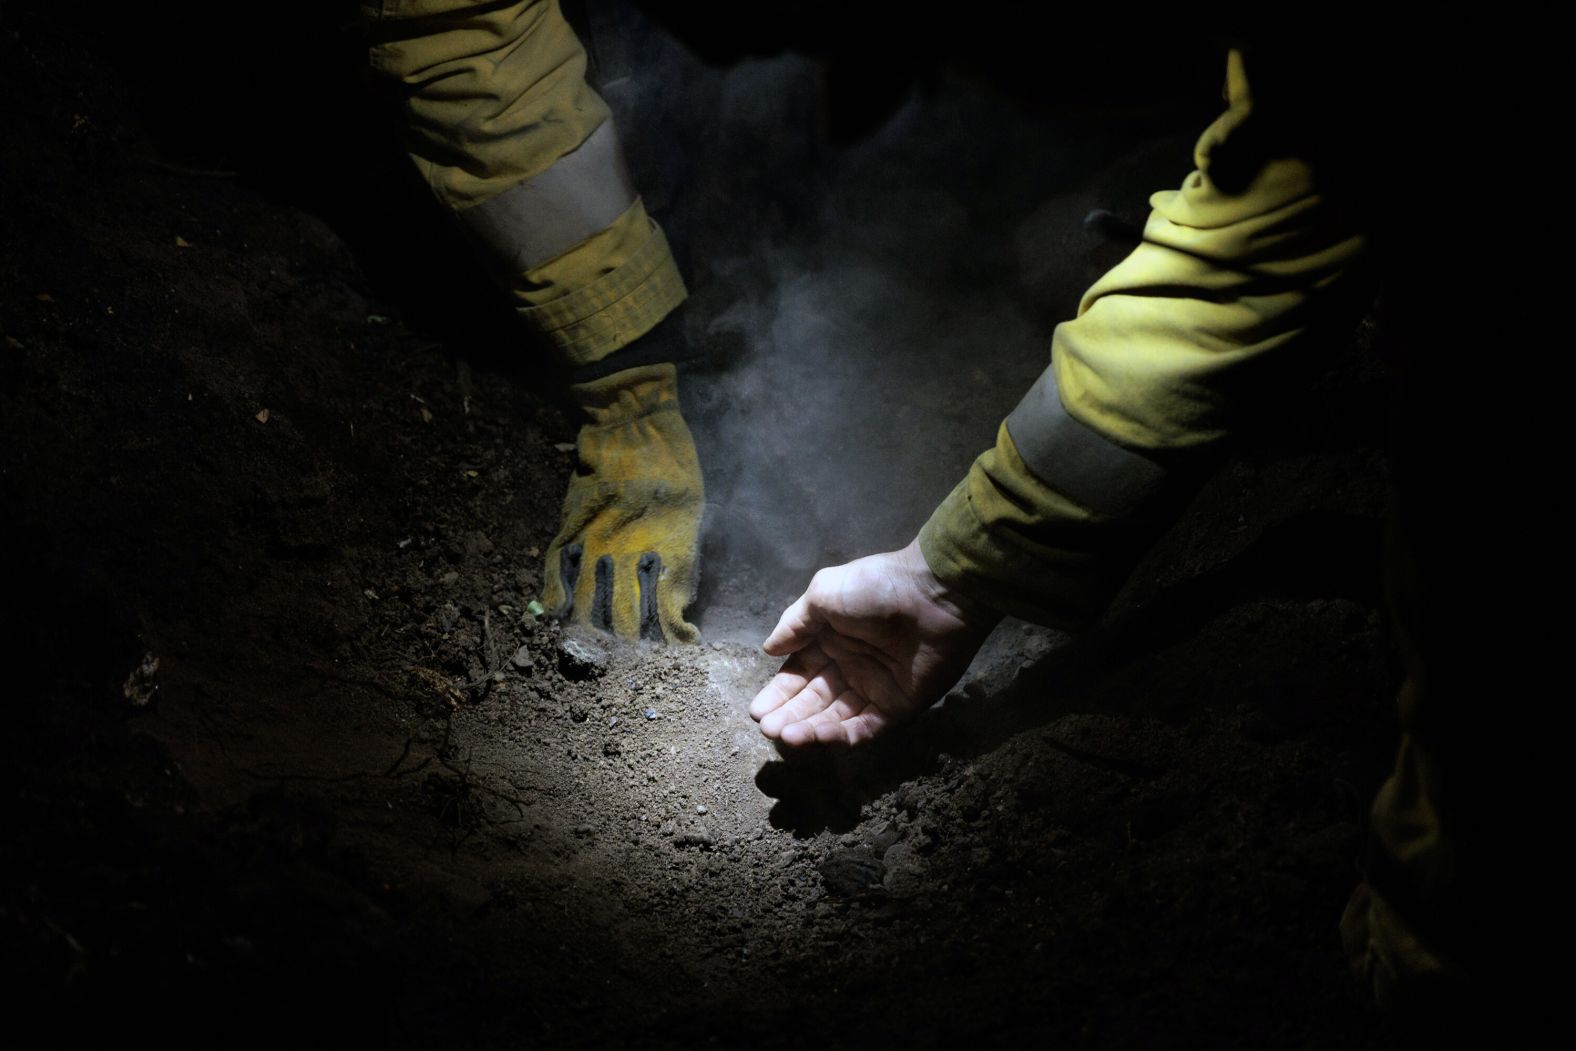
[
  {"x": 619, "y": 307},
  {"x": 1042, "y": 559}
]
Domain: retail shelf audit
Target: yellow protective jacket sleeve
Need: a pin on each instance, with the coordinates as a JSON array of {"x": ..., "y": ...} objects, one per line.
[
  {"x": 494, "y": 96},
  {"x": 1245, "y": 262}
]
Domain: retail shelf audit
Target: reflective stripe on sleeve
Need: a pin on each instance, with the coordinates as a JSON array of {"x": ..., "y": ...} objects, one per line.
[
  {"x": 1077, "y": 461},
  {"x": 551, "y": 212}
]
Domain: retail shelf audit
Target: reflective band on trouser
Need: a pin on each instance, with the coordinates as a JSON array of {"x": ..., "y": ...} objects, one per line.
[
  {"x": 551, "y": 212},
  {"x": 1077, "y": 461}
]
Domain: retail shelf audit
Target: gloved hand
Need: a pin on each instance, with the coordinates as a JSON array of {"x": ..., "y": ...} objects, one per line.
[{"x": 625, "y": 559}]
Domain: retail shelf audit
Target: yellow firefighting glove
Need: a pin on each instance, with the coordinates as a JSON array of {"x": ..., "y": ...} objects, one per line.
[{"x": 625, "y": 558}]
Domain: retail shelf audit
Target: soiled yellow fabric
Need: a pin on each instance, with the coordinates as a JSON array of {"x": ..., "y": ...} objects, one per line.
[
  {"x": 606, "y": 292},
  {"x": 1228, "y": 282},
  {"x": 634, "y": 505},
  {"x": 1244, "y": 264},
  {"x": 494, "y": 94},
  {"x": 1009, "y": 540},
  {"x": 1224, "y": 279}
]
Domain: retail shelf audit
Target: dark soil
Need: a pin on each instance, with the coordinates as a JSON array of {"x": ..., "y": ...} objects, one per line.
[{"x": 371, "y": 796}]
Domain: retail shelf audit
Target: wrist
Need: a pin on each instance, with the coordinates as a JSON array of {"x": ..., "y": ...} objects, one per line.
[
  {"x": 969, "y": 611},
  {"x": 663, "y": 344},
  {"x": 627, "y": 395}
]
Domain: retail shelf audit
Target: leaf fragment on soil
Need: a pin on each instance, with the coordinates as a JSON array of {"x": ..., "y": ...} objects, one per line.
[
  {"x": 262, "y": 417},
  {"x": 181, "y": 242}
]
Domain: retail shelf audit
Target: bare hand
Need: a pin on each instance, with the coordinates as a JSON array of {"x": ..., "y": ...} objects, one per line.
[{"x": 871, "y": 643}]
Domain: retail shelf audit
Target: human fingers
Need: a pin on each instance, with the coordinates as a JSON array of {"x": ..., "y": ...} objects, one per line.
[
  {"x": 819, "y": 693},
  {"x": 800, "y": 734},
  {"x": 850, "y": 726},
  {"x": 789, "y": 681},
  {"x": 826, "y": 726}
]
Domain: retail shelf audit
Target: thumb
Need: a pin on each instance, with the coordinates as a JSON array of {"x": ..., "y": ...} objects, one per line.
[{"x": 796, "y": 628}]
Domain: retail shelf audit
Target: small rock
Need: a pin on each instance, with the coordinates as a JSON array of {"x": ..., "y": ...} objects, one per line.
[
  {"x": 700, "y": 808},
  {"x": 521, "y": 658},
  {"x": 579, "y": 659},
  {"x": 649, "y": 713}
]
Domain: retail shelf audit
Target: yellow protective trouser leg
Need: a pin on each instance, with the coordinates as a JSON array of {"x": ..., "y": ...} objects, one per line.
[{"x": 494, "y": 97}]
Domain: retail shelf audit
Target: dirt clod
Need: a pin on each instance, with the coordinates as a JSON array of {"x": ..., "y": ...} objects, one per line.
[
  {"x": 850, "y": 871},
  {"x": 695, "y": 837},
  {"x": 580, "y": 659},
  {"x": 904, "y": 874}
]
